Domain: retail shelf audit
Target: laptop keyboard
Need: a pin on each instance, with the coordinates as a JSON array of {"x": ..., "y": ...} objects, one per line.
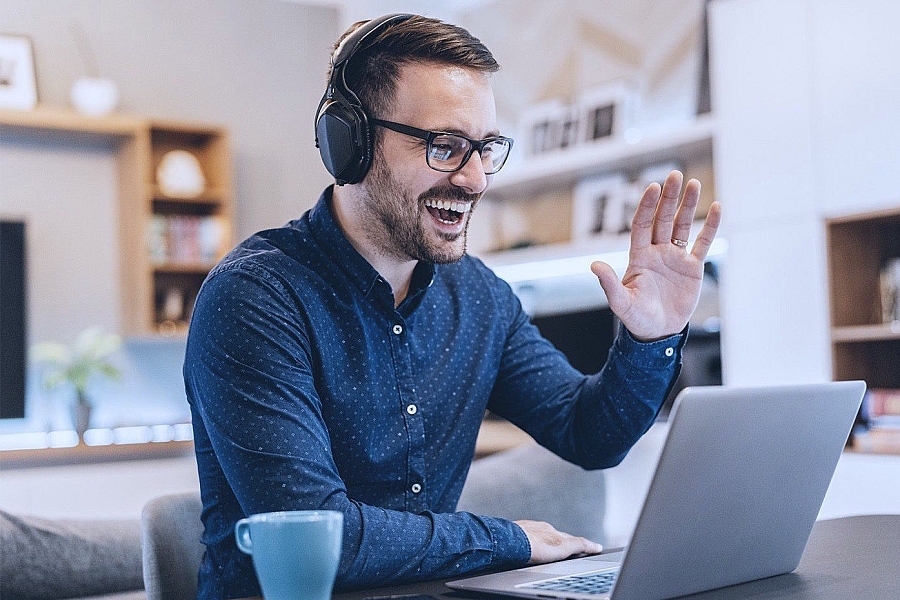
[{"x": 584, "y": 583}]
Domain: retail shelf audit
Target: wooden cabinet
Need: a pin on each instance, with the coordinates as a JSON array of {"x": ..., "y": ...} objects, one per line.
[
  {"x": 863, "y": 346},
  {"x": 168, "y": 241}
]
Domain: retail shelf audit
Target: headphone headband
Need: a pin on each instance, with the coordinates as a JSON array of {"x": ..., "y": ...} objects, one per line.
[
  {"x": 343, "y": 134},
  {"x": 359, "y": 39}
]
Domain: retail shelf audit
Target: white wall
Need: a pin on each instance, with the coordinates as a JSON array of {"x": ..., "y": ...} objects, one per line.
[{"x": 804, "y": 93}]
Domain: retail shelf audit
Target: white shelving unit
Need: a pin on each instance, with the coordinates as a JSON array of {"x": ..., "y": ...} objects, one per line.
[
  {"x": 691, "y": 142},
  {"x": 690, "y": 145}
]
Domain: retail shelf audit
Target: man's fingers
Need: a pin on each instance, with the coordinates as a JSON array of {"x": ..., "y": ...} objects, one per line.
[
  {"x": 548, "y": 544},
  {"x": 685, "y": 216},
  {"x": 668, "y": 205},
  {"x": 615, "y": 292},
  {"x": 708, "y": 232},
  {"x": 642, "y": 223}
]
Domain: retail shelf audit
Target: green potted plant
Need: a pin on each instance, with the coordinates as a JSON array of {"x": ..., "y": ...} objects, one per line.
[{"x": 77, "y": 366}]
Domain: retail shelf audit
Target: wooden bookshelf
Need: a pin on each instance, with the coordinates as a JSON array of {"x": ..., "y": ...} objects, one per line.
[
  {"x": 152, "y": 286},
  {"x": 862, "y": 345}
]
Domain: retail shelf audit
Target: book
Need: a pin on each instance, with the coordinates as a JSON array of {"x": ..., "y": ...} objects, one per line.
[{"x": 881, "y": 408}]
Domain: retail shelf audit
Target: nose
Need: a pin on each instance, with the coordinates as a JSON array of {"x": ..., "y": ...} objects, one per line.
[{"x": 471, "y": 176}]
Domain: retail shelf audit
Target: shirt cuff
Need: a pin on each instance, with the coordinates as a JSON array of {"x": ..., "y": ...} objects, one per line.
[
  {"x": 655, "y": 355},
  {"x": 511, "y": 545}
]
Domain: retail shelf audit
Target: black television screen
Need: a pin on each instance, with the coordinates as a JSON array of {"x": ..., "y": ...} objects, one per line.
[{"x": 13, "y": 311}]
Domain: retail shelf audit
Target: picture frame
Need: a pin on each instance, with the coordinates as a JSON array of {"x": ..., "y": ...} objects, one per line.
[
  {"x": 605, "y": 112},
  {"x": 18, "y": 78},
  {"x": 598, "y": 206},
  {"x": 548, "y": 126}
]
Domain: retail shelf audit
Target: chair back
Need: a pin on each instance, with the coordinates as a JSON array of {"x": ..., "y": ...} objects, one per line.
[
  {"x": 530, "y": 482},
  {"x": 170, "y": 539}
]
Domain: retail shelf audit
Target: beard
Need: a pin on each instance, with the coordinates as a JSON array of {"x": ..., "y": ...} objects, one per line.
[{"x": 396, "y": 223}]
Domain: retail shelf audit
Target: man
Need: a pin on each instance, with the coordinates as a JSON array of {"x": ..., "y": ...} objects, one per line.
[{"x": 345, "y": 360}]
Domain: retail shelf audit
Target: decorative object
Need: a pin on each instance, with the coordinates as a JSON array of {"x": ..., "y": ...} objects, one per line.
[
  {"x": 77, "y": 366},
  {"x": 179, "y": 175},
  {"x": 18, "y": 83},
  {"x": 605, "y": 111},
  {"x": 94, "y": 96},
  {"x": 91, "y": 95},
  {"x": 889, "y": 283},
  {"x": 598, "y": 206},
  {"x": 548, "y": 126}
]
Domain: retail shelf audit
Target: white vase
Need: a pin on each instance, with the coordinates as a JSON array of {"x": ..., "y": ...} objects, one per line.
[{"x": 94, "y": 96}]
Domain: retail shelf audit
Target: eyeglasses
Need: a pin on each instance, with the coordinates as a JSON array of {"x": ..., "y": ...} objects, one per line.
[{"x": 449, "y": 152}]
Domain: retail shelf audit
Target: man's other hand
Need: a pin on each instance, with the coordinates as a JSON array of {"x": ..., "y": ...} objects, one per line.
[{"x": 548, "y": 544}]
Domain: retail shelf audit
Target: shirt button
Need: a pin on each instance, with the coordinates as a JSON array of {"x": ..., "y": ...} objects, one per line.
[
  {"x": 416, "y": 488},
  {"x": 411, "y": 409},
  {"x": 398, "y": 329},
  {"x": 670, "y": 351}
]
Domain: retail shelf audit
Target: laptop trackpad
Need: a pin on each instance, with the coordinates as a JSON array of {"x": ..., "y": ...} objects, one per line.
[{"x": 579, "y": 565}]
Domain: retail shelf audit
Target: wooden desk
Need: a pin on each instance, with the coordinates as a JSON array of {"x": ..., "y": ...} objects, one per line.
[{"x": 852, "y": 557}]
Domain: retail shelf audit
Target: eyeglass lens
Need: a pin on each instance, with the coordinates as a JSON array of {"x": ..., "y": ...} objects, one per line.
[{"x": 448, "y": 152}]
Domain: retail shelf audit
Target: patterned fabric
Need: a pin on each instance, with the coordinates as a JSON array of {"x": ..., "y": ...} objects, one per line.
[{"x": 310, "y": 390}]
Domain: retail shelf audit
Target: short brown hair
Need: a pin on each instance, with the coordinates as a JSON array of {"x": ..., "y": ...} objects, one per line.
[{"x": 373, "y": 73}]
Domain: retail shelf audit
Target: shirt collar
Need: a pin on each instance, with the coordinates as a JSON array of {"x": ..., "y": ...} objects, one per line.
[{"x": 331, "y": 238}]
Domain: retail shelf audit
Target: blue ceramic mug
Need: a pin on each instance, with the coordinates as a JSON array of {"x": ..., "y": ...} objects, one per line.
[{"x": 295, "y": 553}]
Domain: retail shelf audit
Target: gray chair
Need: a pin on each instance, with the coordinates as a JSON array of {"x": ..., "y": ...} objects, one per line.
[
  {"x": 172, "y": 550},
  {"x": 530, "y": 482}
]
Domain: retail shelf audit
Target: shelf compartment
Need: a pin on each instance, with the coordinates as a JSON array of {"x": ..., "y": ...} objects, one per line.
[
  {"x": 208, "y": 144},
  {"x": 858, "y": 248},
  {"x": 872, "y": 361}
]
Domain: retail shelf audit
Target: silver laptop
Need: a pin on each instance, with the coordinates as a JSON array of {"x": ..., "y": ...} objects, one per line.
[{"x": 734, "y": 498}]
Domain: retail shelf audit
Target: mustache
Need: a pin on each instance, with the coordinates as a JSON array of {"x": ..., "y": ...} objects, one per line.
[{"x": 450, "y": 193}]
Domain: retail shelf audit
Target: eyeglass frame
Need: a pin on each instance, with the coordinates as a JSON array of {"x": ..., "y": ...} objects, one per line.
[{"x": 429, "y": 136}]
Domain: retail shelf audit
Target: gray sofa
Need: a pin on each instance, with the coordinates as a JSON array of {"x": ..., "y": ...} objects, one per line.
[{"x": 49, "y": 559}]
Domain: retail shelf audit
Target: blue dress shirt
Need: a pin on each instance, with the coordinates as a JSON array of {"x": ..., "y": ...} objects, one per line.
[{"x": 310, "y": 390}]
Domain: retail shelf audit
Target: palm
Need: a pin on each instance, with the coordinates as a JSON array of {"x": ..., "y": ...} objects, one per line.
[{"x": 661, "y": 285}]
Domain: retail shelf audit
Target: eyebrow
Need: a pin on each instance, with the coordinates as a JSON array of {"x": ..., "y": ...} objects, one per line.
[{"x": 490, "y": 134}]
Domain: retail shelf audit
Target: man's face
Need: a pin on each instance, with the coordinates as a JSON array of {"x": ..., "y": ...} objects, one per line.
[{"x": 418, "y": 213}]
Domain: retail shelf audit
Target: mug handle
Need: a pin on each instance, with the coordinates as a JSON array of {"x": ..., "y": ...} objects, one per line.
[{"x": 242, "y": 536}]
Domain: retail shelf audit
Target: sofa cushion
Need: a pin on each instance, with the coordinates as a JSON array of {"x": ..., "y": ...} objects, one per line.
[{"x": 49, "y": 559}]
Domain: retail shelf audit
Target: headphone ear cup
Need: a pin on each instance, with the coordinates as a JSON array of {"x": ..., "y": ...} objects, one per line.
[{"x": 345, "y": 141}]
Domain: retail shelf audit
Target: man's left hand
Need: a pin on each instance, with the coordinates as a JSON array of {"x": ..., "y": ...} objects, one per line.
[{"x": 661, "y": 286}]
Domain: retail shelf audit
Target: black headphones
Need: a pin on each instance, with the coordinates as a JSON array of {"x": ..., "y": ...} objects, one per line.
[{"x": 343, "y": 134}]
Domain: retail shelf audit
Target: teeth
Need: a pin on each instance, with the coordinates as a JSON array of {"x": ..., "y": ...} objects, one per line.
[{"x": 460, "y": 207}]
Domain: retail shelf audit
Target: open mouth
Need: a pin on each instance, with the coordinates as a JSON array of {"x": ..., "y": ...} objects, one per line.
[{"x": 446, "y": 211}]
